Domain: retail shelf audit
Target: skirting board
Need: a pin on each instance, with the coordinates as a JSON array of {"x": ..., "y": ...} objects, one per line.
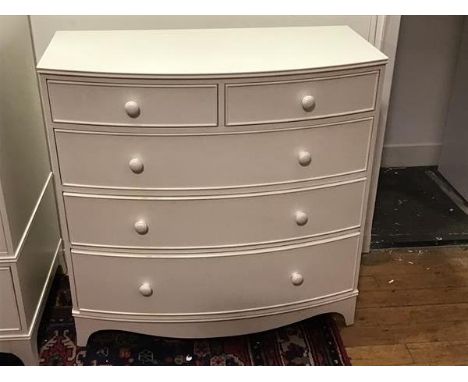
[{"x": 410, "y": 155}]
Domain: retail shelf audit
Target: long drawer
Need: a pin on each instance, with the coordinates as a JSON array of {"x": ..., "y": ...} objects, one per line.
[
  {"x": 220, "y": 283},
  {"x": 214, "y": 160},
  {"x": 212, "y": 221},
  {"x": 9, "y": 317},
  {"x": 124, "y": 104},
  {"x": 299, "y": 100}
]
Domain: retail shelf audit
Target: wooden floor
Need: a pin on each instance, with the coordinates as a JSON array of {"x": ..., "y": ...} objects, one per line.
[{"x": 412, "y": 308}]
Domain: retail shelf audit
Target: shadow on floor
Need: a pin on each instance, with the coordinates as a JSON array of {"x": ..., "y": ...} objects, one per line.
[{"x": 412, "y": 210}]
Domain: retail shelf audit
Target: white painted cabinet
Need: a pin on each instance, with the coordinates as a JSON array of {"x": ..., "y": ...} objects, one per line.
[
  {"x": 223, "y": 191},
  {"x": 29, "y": 231}
]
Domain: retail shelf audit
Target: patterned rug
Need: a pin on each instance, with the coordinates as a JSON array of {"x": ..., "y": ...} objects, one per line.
[{"x": 315, "y": 341}]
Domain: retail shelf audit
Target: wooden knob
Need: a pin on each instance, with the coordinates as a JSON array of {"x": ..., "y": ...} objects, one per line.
[
  {"x": 304, "y": 158},
  {"x": 301, "y": 218},
  {"x": 136, "y": 165},
  {"x": 132, "y": 109},
  {"x": 141, "y": 227},
  {"x": 145, "y": 289},
  {"x": 308, "y": 103},
  {"x": 297, "y": 278}
]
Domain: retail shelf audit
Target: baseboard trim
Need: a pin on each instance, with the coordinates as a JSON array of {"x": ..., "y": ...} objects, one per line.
[{"x": 410, "y": 155}]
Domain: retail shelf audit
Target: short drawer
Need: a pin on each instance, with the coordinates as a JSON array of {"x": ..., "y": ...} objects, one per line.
[
  {"x": 132, "y": 105},
  {"x": 212, "y": 221},
  {"x": 214, "y": 161},
  {"x": 289, "y": 101},
  {"x": 214, "y": 284},
  {"x": 9, "y": 317}
]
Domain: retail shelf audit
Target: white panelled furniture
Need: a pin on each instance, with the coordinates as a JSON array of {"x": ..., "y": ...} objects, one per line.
[
  {"x": 29, "y": 230},
  {"x": 211, "y": 182}
]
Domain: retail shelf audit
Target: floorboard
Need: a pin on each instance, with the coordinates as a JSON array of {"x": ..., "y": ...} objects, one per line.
[
  {"x": 412, "y": 308},
  {"x": 380, "y": 355}
]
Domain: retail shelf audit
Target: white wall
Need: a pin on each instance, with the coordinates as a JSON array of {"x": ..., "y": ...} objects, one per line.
[
  {"x": 454, "y": 155},
  {"x": 422, "y": 85},
  {"x": 44, "y": 27}
]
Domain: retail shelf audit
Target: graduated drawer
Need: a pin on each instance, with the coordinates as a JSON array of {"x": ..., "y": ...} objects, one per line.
[
  {"x": 212, "y": 221},
  {"x": 121, "y": 104},
  {"x": 9, "y": 318},
  {"x": 215, "y": 284},
  {"x": 214, "y": 160},
  {"x": 299, "y": 100}
]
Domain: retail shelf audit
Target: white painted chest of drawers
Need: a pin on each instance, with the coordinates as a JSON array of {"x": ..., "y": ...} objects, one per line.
[{"x": 211, "y": 182}]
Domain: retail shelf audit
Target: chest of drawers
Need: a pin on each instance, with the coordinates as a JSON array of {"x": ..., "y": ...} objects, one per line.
[{"x": 211, "y": 182}]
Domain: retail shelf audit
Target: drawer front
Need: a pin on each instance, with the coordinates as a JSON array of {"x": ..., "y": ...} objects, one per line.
[
  {"x": 132, "y": 105},
  {"x": 216, "y": 283},
  {"x": 212, "y": 161},
  {"x": 289, "y": 101},
  {"x": 9, "y": 318},
  {"x": 206, "y": 222}
]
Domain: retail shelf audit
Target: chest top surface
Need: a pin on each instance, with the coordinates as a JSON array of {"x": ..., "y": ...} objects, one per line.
[{"x": 193, "y": 52}]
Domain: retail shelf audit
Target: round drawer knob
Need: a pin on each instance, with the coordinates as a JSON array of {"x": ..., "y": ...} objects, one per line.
[
  {"x": 145, "y": 289},
  {"x": 308, "y": 103},
  {"x": 297, "y": 278},
  {"x": 304, "y": 158},
  {"x": 301, "y": 218},
  {"x": 132, "y": 109},
  {"x": 136, "y": 165},
  {"x": 141, "y": 227}
]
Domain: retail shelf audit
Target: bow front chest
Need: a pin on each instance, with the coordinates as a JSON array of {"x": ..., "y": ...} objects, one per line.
[{"x": 211, "y": 182}]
